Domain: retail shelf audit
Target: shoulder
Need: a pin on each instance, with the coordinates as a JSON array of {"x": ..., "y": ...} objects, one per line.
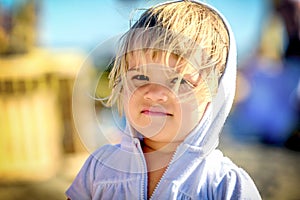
[
  {"x": 229, "y": 180},
  {"x": 104, "y": 152},
  {"x": 222, "y": 167},
  {"x": 99, "y": 157},
  {"x": 83, "y": 184},
  {"x": 220, "y": 164}
]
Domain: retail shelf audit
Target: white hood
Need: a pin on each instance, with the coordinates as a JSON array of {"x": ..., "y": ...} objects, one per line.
[{"x": 205, "y": 136}]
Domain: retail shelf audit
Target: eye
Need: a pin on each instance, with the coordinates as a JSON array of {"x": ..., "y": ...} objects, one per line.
[
  {"x": 140, "y": 77},
  {"x": 182, "y": 81},
  {"x": 184, "y": 85}
]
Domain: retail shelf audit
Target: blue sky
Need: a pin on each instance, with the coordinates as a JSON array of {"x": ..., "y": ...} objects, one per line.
[{"x": 84, "y": 24}]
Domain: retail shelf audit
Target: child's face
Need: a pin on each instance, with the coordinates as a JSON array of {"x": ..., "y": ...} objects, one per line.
[{"x": 158, "y": 103}]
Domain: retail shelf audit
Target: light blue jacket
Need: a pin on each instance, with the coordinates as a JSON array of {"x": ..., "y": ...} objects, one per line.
[
  {"x": 119, "y": 172},
  {"x": 197, "y": 170}
]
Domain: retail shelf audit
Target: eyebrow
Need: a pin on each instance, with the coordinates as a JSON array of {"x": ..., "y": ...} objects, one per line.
[{"x": 133, "y": 69}]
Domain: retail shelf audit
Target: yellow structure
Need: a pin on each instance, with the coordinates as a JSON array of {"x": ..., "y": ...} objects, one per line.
[{"x": 33, "y": 112}]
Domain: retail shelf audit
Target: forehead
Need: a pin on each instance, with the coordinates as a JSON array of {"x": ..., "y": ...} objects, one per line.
[
  {"x": 144, "y": 58},
  {"x": 158, "y": 62},
  {"x": 138, "y": 58}
]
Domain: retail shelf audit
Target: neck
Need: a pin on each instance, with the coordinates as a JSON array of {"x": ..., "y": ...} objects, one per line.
[
  {"x": 162, "y": 147},
  {"x": 157, "y": 155}
]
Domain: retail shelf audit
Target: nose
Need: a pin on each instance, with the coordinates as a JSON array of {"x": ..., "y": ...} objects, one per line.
[{"x": 156, "y": 93}]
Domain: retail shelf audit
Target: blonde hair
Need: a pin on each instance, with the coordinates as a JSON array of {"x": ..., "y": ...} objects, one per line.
[{"x": 192, "y": 31}]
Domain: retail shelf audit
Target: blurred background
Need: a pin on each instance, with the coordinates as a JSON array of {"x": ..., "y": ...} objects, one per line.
[{"x": 47, "y": 46}]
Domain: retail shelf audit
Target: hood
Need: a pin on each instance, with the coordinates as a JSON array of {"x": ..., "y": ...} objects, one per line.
[{"x": 205, "y": 136}]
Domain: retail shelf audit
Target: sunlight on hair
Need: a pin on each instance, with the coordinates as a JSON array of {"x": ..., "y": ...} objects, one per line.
[{"x": 197, "y": 36}]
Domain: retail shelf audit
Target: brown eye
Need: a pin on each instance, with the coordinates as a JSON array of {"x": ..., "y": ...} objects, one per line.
[
  {"x": 140, "y": 78},
  {"x": 182, "y": 81}
]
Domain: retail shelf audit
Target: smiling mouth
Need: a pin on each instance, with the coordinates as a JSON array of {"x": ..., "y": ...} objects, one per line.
[{"x": 155, "y": 113}]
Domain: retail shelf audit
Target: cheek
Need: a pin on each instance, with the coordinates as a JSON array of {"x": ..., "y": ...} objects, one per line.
[
  {"x": 190, "y": 111},
  {"x": 186, "y": 119},
  {"x": 131, "y": 106},
  {"x": 129, "y": 100},
  {"x": 193, "y": 110},
  {"x": 203, "y": 96}
]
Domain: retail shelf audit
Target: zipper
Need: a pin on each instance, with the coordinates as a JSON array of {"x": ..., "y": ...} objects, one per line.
[
  {"x": 144, "y": 173},
  {"x": 164, "y": 174}
]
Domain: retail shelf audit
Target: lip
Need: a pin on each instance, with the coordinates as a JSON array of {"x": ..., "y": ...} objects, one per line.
[{"x": 157, "y": 113}]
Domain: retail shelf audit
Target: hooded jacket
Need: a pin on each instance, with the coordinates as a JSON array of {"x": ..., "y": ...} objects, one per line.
[{"x": 197, "y": 170}]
